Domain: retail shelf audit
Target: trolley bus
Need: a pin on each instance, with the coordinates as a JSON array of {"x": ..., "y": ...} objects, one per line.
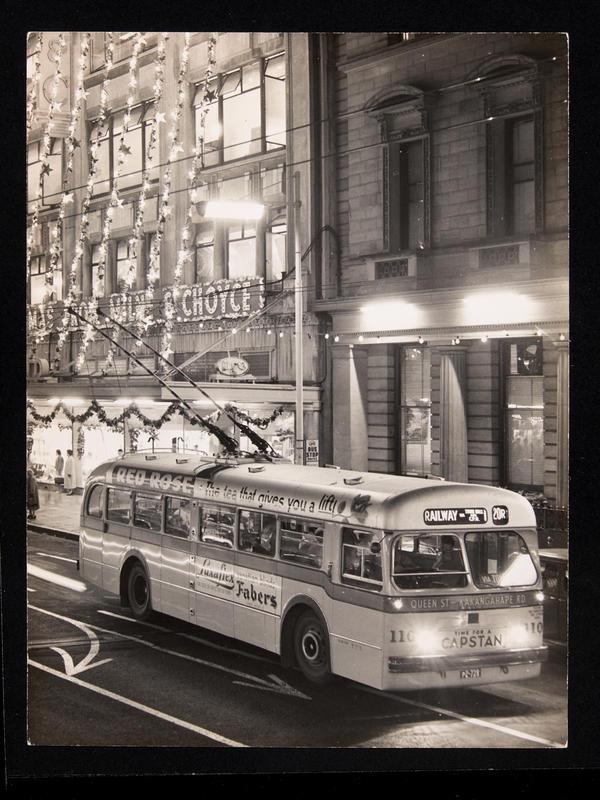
[{"x": 398, "y": 583}]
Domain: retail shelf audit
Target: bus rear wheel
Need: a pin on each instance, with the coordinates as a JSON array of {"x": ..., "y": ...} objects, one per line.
[
  {"x": 138, "y": 592},
  {"x": 311, "y": 648}
]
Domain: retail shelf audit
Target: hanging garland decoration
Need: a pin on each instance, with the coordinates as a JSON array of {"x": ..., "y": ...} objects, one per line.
[
  {"x": 144, "y": 316},
  {"x": 184, "y": 255},
  {"x": 259, "y": 422},
  {"x": 35, "y": 80},
  {"x": 67, "y": 197},
  {"x": 115, "y": 201},
  {"x": 45, "y": 168},
  {"x": 132, "y": 410},
  {"x": 98, "y": 288}
]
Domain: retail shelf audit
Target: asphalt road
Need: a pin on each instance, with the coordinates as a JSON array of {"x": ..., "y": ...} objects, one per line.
[{"x": 167, "y": 683}]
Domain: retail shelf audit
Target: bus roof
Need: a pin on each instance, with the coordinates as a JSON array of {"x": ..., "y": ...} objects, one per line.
[{"x": 368, "y": 499}]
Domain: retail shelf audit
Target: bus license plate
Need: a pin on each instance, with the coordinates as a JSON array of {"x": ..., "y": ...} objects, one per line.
[{"x": 471, "y": 673}]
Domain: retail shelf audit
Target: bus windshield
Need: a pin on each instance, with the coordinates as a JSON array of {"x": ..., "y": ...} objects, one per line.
[
  {"x": 428, "y": 561},
  {"x": 499, "y": 558}
]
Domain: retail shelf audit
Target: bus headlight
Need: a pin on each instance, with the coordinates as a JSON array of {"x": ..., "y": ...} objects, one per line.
[
  {"x": 540, "y": 597},
  {"x": 397, "y": 604},
  {"x": 426, "y": 641},
  {"x": 517, "y": 636}
]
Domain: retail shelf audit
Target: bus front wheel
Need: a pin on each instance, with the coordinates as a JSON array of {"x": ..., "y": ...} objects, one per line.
[
  {"x": 138, "y": 592},
  {"x": 311, "y": 648}
]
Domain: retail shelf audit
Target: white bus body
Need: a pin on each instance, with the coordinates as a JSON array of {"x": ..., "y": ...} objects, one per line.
[{"x": 398, "y": 583}]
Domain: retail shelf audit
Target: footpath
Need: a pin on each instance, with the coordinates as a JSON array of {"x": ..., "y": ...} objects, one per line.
[{"x": 58, "y": 513}]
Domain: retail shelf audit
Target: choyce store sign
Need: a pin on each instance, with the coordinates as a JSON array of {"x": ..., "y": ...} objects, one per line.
[{"x": 224, "y": 299}]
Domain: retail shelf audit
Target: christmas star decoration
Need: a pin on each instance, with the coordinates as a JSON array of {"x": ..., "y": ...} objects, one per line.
[
  {"x": 160, "y": 116},
  {"x": 125, "y": 149},
  {"x": 46, "y": 169},
  {"x": 210, "y": 96}
]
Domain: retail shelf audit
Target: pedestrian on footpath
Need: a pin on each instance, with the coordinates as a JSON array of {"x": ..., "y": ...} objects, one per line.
[
  {"x": 58, "y": 468},
  {"x": 69, "y": 473},
  {"x": 33, "y": 498}
]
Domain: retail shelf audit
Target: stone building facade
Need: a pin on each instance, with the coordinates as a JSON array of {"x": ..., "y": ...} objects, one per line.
[{"x": 448, "y": 305}]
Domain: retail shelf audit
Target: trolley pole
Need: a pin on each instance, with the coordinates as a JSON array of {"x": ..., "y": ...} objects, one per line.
[{"x": 299, "y": 449}]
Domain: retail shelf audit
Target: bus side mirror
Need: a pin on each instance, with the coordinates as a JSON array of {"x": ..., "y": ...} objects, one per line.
[{"x": 375, "y": 548}]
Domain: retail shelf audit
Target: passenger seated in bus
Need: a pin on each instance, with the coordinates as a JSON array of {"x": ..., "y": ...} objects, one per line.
[
  {"x": 449, "y": 558},
  {"x": 311, "y": 546},
  {"x": 265, "y": 544}
]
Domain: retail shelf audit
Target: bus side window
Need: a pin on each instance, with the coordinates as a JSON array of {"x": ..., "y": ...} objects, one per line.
[
  {"x": 178, "y": 519},
  {"x": 359, "y": 564},
  {"x": 147, "y": 511},
  {"x": 94, "y": 502},
  {"x": 257, "y": 532},
  {"x": 301, "y": 542},
  {"x": 217, "y": 525},
  {"x": 118, "y": 507}
]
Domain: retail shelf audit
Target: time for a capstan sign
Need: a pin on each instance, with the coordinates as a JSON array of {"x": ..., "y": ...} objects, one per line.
[{"x": 455, "y": 516}]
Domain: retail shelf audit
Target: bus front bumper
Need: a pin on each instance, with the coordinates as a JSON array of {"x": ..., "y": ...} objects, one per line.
[{"x": 428, "y": 663}]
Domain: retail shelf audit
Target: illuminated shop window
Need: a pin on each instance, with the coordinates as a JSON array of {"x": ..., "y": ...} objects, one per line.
[
  {"x": 415, "y": 410},
  {"x": 241, "y": 250},
  {"x": 524, "y": 414}
]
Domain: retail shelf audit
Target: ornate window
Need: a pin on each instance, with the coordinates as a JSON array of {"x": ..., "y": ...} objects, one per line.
[
  {"x": 403, "y": 123},
  {"x": 510, "y": 89}
]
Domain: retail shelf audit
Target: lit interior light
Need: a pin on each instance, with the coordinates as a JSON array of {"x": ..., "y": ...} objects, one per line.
[
  {"x": 484, "y": 338},
  {"x": 421, "y": 340},
  {"x": 234, "y": 330},
  {"x": 562, "y": 337},
  {"x": 327, "y": 336},
  {"x": 269, "y": 332},
  {"x": 497, "y": 307},
  {"x": 539, "y": 332},
  {"x": 361, "y": 338},
  {"x": 231, "y": 209},
  {"x": 388, "y": 314},
  {"x": 336, "y": 338},
  {"x": 281, "y": 334}
]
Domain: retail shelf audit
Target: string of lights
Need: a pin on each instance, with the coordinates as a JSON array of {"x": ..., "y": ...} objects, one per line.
[{"x": 342, "y": 152}]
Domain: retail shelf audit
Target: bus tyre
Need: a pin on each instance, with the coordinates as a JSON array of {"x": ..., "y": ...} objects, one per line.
[
  {"x": 311, "y": 648},
  {"x": 138, "y": 592}
]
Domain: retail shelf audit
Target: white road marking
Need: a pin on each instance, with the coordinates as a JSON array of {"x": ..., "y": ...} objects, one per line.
[
  {"x": 31, "y": 590},
  {"x": 482, "y": 723},
  {"x": 139, "y": 706},
  {"x": 189, "y": 636},
  {"x": 86, "y": 663},
  {"x": 58, "y": 558},
  {"x": 292, "y": 692},
  {"x": 59, "y": 580}
]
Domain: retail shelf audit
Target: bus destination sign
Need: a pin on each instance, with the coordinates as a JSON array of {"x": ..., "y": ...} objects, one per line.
[{"x": 455, "y": 516}]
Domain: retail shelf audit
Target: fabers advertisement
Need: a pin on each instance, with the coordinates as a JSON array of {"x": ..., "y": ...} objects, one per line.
[{"x": 241, "y": 585}]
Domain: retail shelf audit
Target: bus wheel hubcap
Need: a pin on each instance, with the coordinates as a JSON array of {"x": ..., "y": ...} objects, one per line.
[{"x": 311, "y": 646}]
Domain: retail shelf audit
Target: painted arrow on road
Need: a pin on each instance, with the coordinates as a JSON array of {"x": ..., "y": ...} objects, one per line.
[
  {"x": 278, "y": 686},
  {"x": 86, "y": 663}
]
